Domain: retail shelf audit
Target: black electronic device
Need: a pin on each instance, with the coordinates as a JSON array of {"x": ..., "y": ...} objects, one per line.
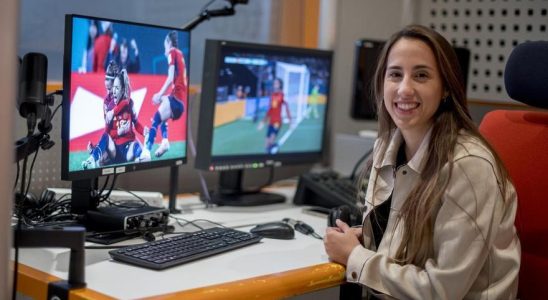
[
  {"x": 126, "y": 220},
  {"x": 350, "y": 215},
  {"x": 112, "y": 118},
  {"x": 274, "y": 230},
  {"x": 262, "y": 106},
  {"x": 183, "y": 248},
  {"x": 326, "y": 189},
  {"x": 367, "y": 52}
]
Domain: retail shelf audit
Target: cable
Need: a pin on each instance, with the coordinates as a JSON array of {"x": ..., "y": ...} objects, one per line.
[
  {"x": 358, "y": 163},
  {"x": 134, "y": 195},
  {"x": 302, "y": 227},
  {"x": 16, "y": 177},
  {"x": 55, "y": 111},
  {"x": 30, "y": 171}
]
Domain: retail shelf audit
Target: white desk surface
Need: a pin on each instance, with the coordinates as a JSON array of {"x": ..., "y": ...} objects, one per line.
[{"x": 271, "y": 256}]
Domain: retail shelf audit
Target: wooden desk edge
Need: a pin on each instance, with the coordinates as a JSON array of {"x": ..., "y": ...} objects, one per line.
[
  {"x": 34, "y": 283},
  {"x": 273, "y": 286}
]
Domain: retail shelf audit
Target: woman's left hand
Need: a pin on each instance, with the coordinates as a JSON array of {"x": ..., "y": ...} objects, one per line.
[{"x": 339, "y": 242}]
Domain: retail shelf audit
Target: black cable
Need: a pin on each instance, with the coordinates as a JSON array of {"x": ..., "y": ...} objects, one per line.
[
  {"x": 111, "y": 186},
  {"x": 104, "y": 185},
  {"x": 16, "y": 177},
  {"x": 55, "y": 110},
  {"x": 30, "y": 171},
  {"x": 359, "y": 162},
  {"x": 134, "y": 195}
]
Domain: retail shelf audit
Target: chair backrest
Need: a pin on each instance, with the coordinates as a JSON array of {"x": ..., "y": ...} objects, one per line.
[{"x": 521, "y": 140}]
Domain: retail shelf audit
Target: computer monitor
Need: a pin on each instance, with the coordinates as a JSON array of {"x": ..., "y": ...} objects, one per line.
[
  {"x": 367, "y": 52},
  {"x": 124, "y": 101},
  {"x": 261, "y": 106}
]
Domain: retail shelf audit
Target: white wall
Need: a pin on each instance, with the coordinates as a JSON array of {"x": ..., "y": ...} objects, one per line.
[{"x": 8, "y": 36}]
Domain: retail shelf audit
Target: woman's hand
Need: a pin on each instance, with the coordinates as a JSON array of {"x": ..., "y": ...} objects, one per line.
[{"x": 340, "y": 241}]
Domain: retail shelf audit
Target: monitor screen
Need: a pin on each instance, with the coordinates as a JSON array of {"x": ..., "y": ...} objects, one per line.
[
  {"x": 125, "y": 97},
  {"x": 366, "y": 57},
  {"x": 262, "y": 105}
]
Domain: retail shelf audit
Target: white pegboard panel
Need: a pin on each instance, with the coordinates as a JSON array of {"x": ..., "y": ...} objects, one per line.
[{"x": 490, "y": 29}]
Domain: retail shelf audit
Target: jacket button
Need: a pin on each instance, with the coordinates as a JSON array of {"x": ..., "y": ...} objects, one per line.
[
  {"x": 354, "y": 275},
  {"x": 404, "y": 172}
]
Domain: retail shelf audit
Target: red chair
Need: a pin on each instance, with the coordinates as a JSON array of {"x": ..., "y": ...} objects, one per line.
[{"x": 521, "y": 140}]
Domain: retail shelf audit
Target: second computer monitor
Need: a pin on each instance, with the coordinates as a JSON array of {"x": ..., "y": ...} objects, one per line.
[{"x": 262, "y": 106}]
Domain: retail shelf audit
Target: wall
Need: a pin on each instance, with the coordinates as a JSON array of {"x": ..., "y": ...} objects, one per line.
[
  {"x": 8, "y": 36},
  {"x": 356, "y": 19}
]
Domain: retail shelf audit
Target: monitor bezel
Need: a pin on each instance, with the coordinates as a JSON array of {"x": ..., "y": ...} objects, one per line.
[
  {"x": 212, "y": 62},
  {"x": 65, "y": 128}
]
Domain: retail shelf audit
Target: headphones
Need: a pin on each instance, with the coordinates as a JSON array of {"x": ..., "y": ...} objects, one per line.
[
  {"x": 350, "y": 215},
  {"x": 30, "y": 201}
]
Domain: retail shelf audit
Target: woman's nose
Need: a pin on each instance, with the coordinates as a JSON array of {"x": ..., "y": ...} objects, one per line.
[{"x": 406, "y": 89}]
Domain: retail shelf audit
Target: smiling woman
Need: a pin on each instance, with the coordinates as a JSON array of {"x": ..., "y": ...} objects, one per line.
[{"x": 440, "y": 208}]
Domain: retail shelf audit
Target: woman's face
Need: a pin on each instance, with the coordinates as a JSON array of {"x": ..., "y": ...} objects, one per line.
[
  {"x": 413, "y": 87},
  {"x": 117, "y": 90},
  {"x": 108, "y": 85}
]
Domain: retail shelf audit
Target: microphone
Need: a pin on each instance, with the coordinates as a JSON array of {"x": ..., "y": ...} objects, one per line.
[
  {"x": 32, "y": 84},
  {"x": 31, "y": 100}
]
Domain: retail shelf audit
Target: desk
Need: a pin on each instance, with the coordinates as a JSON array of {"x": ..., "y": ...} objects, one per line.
[{"x": 270, "y": 269}]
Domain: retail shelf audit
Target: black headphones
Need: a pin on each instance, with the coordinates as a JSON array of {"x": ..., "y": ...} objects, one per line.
[
  {"x": 30, "y": 200},
  {"x": 350, "y": 215}
]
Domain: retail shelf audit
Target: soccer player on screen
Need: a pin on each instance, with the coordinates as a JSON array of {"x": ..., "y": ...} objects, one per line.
[
  {"x": 169, "y": 106},
  {"x": 274, "y": 116},
  {"x": 121, "y": 120},
  {"x": 104, "y": 151}
]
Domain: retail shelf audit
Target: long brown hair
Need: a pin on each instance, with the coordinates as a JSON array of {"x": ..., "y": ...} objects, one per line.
[{"x": 418, "y": 211}]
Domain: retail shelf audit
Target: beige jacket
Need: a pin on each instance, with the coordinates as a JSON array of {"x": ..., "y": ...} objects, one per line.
[{"x": 476, "y": 248}]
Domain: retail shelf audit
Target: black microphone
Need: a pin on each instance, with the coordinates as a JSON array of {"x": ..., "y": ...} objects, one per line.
[{"x": 32, "y": 85}]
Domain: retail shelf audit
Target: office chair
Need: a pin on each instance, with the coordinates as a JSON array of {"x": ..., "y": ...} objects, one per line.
[{"x": 521, "y": 140}]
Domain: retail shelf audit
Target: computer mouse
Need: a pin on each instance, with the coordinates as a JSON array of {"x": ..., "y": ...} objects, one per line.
[{"x": 274, "y": 230}]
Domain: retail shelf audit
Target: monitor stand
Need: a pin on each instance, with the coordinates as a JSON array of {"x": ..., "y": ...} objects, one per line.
[{"x": 231, "y": 193}]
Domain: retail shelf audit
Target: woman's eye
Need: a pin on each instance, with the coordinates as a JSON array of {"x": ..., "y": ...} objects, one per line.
[
  {"x": 421, "y": 76},
  {"x": 394, "y": 74}
]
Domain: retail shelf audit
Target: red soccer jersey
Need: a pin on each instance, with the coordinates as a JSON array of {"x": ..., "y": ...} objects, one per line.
[
  {"x": 275, "y": 111},
  {"x": 175, "y": 58},
  {"x": 100, "y": 52},
  {"x": 122, "y": 123}
]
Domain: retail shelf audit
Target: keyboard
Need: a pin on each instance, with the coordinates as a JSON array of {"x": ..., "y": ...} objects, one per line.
[
  {"x": 183, "y": 248},
  {"x": 326, "y": 189}
]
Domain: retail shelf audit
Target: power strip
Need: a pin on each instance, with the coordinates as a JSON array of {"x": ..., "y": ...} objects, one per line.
[{"x": 152, "y": 198}]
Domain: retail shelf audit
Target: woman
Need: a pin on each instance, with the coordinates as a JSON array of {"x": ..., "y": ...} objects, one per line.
[
  {"x": 439, "y": 208},
  {"x": 172, "y": 106},
  {"x": 274, "y": 116},
  {"x": 122, "y": 120}
]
